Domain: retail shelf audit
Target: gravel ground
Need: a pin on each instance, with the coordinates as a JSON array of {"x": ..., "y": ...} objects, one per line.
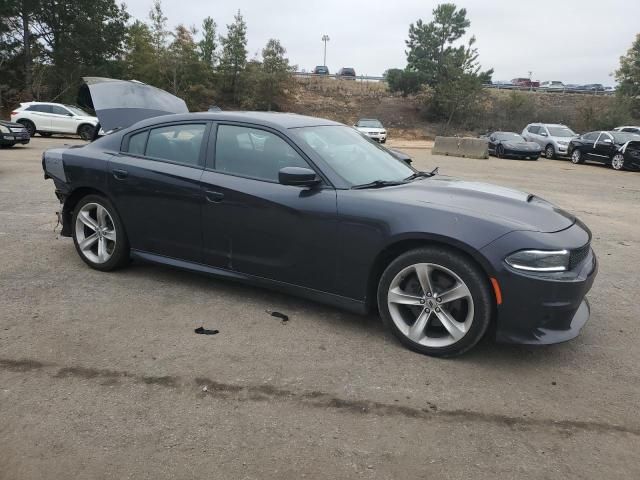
[{"x": 102, "y": 376}]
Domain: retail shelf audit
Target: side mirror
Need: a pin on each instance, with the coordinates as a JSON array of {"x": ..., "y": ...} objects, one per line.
[
  {"x": 607, "y": 140},
  {"x": 544, "y": 134},
  {"x": 70, "y": 114},
  {"x": 298, "y": 176}
]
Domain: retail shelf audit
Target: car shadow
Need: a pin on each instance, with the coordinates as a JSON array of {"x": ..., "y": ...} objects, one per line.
[{"x": 487, "y": 352}]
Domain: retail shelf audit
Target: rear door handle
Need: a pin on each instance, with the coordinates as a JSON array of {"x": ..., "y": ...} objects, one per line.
[
  {"x": 120, "y": 174},
  {"x": 214, "y": 197}
]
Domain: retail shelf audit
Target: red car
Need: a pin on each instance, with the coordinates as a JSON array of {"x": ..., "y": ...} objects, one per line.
[{"x": 525, "y": 82}]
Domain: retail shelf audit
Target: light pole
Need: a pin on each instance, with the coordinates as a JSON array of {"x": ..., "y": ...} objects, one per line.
[{"x": 325, "y": 39}]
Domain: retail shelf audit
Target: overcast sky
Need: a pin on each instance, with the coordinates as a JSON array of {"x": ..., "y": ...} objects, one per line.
[{"x": 575, "y": 41}]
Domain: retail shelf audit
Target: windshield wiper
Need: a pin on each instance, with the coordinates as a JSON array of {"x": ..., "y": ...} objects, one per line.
[
  {"x": 423, "y": 174},
  {"x": 377, "y": 184}
]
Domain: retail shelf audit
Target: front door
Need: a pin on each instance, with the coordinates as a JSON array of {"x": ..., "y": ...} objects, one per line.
[
  {"x": 155, "y": 183},
  {"x": 281, "y": 232},
  {"x": 605, "y": 148},
  {"x": 62, "y": 120}
]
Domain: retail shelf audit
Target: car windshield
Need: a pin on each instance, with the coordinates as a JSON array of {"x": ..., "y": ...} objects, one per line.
[
  {"x": 509, "y": 136},
  {"x": 561, "y": 132},
  {"x": 354, "y": 158},
  {"x": 370, "y": 124},
  {"x": 77, "y": 111},
  {"x": 624, "y": 137}
]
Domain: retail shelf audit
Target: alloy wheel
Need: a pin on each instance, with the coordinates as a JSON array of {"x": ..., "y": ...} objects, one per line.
[
  {"x": 430, "y": 304},
  {"x": 86, "y": 132},
  {"x": 95, "y": 233},
  {"x": 617, "y": 162},
  {"x": 500, "y": 151},
  {"x": 549, "y": 152},
  {"x": 576, "y": 156}
]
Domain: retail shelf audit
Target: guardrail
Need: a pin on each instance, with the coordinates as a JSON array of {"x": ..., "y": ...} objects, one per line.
[{"x": 370, "y": 78}]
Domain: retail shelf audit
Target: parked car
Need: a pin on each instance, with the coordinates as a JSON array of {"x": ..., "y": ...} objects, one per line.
[
  {"x": 49, "y": 118},
  {"x": 628, "y": 129},
  {"x": 512, "y": 145},
  {"x": 347, "y": 73},
  {"x": 271, "y": 185},
  {"x": 372, "y": 128},
  {"x": 525, "y": 82},
  {"x": 553, "y": 138},
  {"x": 569, "y": 87},
  {"x": 552, "y": 86},
  {"x": 12, "y": 133},
  {"x": 593, "y": 87},
  {"x": 321, "y": 70},
  {"x": 621, "y": 150}
]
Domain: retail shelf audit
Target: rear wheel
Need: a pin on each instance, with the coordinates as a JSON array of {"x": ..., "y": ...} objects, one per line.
[
  {"x": 435, "y": 301},
  {"x": 549, "y": 151},
  {"x": 576, "y": 156},
  {"x": 98, "y": 234},
  {"x": 29, "y": 125},
  {"x": 617, "y": 162}
]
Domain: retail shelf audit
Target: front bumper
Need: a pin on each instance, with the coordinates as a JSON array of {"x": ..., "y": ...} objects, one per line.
[
  {"x": 562, "y": 150},
  {"x": 14, "y": 137},
  {"x": 380, "y": 137},
  {"x": 541, "y": 309},
  {"x": 522, "y": 154}
]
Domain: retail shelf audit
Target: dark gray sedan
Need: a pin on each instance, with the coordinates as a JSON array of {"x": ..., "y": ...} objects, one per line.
[{"x": 311, "y": 207}]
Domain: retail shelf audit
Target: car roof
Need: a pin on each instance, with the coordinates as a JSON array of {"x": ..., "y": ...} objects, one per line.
[{"x": 269, "y": 119}]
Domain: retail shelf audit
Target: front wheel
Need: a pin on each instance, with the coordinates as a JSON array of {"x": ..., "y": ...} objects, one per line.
[
  {"x": 86, "y": 132},
  {"x": 617, "y": 162},
  {"x": 576, "y": 156},
  {"x": 435, "y": 301},
  {"x": 99, "y": 235},
  {"x": 550, "y": 152},
  {"x": 499, "y": 151}
]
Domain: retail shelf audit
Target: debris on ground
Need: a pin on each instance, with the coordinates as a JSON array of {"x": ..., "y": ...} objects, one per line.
[
  {"x": 204, "y": 331},
  {"x": 279, "y": 315}
]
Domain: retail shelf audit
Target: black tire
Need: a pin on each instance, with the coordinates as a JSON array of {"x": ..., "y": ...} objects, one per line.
[
  {"x": 86, "y": 132},
  {"x": 500, "y": 151},
  {"x": 576, "y": 156},
  {"x": 471, "y": 275},
  {"x": 120, "y": 255},
  {"x": 549, "y": 151},
  {"x": 383, "y": 141},
  {"x": 29, "y": 125},
  {"x": 45, "y": 134}
]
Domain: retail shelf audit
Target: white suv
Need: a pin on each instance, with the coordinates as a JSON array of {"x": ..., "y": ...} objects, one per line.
[{"x": 49, "y": 118}]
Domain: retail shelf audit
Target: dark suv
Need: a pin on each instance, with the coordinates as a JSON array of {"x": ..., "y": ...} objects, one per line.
[
  {"x": 347, "y": 73},
  {"x": 321, "y": 70}
]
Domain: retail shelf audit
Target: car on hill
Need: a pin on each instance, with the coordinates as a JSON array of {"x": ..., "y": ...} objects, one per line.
[
  {"x": 321, "y": 70},
  {"x": 372, "y": 128},
  {"x": 621, "y": 150},
  {"x": 525, "y": 82},
  {"x": 346, "y": 73},
  {"x": 512, "y": 145},
  {"x": 552, "y": 86},
  {"x": 553, "y": 138},
  {"x": 12, "y": 134},
  {"x": 48, "y": 118},
  {"x": 311, "y": 207}
]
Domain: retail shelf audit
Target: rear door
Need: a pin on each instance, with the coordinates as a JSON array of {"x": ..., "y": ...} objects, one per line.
[
  {"x": 155, "y": 184},
  {"x": 41, "y": 116},
  {"x": 280, "y": 232}
]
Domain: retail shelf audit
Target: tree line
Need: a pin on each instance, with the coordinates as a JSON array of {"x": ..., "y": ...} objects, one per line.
[{"x": 46, "y": 46}]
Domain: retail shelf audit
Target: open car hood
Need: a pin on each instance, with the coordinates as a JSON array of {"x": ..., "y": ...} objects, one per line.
[{"x": 121, "y": 103}]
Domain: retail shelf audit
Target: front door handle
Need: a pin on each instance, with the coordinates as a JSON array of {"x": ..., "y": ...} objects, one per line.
[
  {"x": 214, "y": 197},
  {"x": 120, "y": 174}
]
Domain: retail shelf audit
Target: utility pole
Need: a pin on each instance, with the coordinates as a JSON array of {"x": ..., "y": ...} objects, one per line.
[
  {"x": 530, "y": 81},
  {"x": 325, "y": 39}
]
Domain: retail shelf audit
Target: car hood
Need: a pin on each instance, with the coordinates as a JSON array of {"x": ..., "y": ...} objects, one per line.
[
  {"x": 121, "y": 103},
  {"x": 525, "y": 145},
  {"x": 516, "y": 209},
  {"x": 5, "y": 123},
  {"x": 370, "y": 129}
]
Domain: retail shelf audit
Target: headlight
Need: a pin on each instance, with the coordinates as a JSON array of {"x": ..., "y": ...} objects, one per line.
[
  {"x": 539, "y": 260},
  {"x": 563, "y": 143},
  {"x": 4, "y": 129},
  {"x": 383, "y": 132}
]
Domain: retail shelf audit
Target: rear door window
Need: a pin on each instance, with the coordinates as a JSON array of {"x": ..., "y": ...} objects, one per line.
[
  {"x": 176, "y": 143},
  {"x": 137, "y": 143},
  {"x": 39, "y": 108}
]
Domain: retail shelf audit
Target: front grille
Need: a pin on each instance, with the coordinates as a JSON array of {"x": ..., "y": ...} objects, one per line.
[
  {"x": 577, "y": 255},
  {"x": 17, "y": 129}
]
